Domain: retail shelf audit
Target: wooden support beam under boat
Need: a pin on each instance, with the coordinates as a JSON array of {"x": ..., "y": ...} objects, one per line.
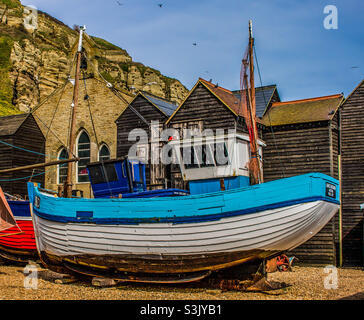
[
  {"x": 104, "y": 282},
  {"x": 39, "y": 165}
]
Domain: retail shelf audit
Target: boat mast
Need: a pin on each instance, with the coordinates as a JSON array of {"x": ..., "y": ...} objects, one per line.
[
  {"x": 251, "y": 69},
  {"x": 255, "y": 168},
  {"x": 68, "y": 182}
]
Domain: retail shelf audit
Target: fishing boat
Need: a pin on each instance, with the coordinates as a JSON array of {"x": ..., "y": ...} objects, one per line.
[
  {"x": 20, "y": 245},
  {"x": 17, "y": 243},
  {"x": 230, "y": 217},
  {"x": 180, "y": 238}
]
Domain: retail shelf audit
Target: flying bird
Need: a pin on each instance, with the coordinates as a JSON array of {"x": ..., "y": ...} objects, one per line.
[
  {"x": 355, "y": 67},
  {"x": 160, "y": 5},
  {"x": 120, "y": 4},
  {"x": 195, "y": 44}
]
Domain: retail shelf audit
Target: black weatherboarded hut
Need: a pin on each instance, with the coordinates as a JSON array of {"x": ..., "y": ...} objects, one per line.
[
  {"x": 352, "y": 182},
  {"x": 148, "y": 113},
  {"x": 17, "y": 134},
  {"x": 209, "y": 106},
  {"x": 303, "y": 136}
]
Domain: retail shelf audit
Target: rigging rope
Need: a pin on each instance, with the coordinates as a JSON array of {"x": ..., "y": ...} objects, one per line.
[
  {"x": 270, "y": 123},
  {"x": 32, "y": 175},
  {"x": 48, "y": 129},
  {"x": 59, "y": 140},
  {"x": 55, "y": 91},
  {"x": 87, "y": 98},
  {"x": 32, "y": 111},
  {"x": 58, "y": 89},
  {"x": 27, "y": 150},
  {"x": 118, "y": 95},
  {"x": 23, "y": 149}
]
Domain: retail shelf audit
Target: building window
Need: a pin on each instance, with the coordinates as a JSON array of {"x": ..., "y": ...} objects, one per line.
[
  {"x": 83, "y": 152},
  {"x": 62, "y": 168},
  {"x": 104, "y": 153}
]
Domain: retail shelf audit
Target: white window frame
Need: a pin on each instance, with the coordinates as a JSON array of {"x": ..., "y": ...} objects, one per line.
[
  {"x": 77, "y": 143},
  {"x": 231, "y": 169},
  {"x": 58, "y": 166}
]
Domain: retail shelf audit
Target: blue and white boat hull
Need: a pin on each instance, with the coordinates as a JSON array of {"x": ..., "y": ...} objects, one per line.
[{"x": 183, "y": 235}]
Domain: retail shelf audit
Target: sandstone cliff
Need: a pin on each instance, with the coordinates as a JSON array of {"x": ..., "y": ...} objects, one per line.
[{"x": 36, "y": 57}]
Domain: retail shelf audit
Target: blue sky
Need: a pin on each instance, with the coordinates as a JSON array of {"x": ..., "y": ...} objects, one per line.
[{"x": 294, "y": 49}]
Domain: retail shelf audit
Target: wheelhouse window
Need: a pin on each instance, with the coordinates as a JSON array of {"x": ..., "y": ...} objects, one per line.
[
  {"x": 205, "y": 155},
  {"x": 104, "y": 153},
  {"x": 83, "y": 153},
  {"x": 62, "y": 168},
  {"x": 189, "y": 157},
  {"x": 103, "y": 173},
  {"x": 221, "y": 154}
]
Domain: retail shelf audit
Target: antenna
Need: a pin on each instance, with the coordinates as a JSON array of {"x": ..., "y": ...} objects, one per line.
[
  {"x": 250, "y": 29},
  {"x": 82, "y": 29}
]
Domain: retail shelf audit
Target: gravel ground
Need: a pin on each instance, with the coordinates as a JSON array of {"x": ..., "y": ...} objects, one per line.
[{"x": 305, "y": 283}]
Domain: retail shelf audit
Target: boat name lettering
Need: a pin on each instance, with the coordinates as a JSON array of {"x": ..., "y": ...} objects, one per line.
[{"x": 330, "y": 190}]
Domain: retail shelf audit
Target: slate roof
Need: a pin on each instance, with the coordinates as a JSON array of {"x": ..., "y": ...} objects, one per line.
[
  {"x": 263, "y": 96},
  {"x": 167, "y": 107},
  {"x": 303, "y": 111},
  {"x": 10, "y": 124}
]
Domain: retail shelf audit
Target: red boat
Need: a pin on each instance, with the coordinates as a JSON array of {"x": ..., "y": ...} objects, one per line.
[{"x": 17, "y": 243}]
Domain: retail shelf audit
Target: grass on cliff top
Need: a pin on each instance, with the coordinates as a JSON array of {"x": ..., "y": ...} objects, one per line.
[
  {"x": 103, "y": 44},
  {"x": 142, "y": 69},
  {"x": 11, "y": 3},
  {"x": 6, "y": 90}
]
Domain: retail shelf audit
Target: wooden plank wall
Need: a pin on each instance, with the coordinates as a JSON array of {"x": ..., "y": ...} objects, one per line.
[
  {"x": 298, "y": 149},
  {"x": 202, "y": 105},
  {"x": 30, "y": 137},
  {"x": 129, "y": 121},
  {"x": 204, "y": 111},
  {"x": 6, "y": 156},
  {"x": 352, "y": 163}
]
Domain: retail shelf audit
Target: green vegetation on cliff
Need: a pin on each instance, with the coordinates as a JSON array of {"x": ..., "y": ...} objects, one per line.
[
  {"x": 11, "y": 3},
  {"x": 105, "y": 45},
  {"x": 34, "y": 62},
  {"x": 6, "y": 90}
]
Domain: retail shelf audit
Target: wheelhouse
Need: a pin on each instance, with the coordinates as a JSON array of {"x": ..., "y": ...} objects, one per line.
[{"x": 213, "y": 163}]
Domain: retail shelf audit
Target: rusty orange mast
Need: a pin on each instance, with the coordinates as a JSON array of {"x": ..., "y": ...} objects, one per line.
[{"x": 247, "y": 88}]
